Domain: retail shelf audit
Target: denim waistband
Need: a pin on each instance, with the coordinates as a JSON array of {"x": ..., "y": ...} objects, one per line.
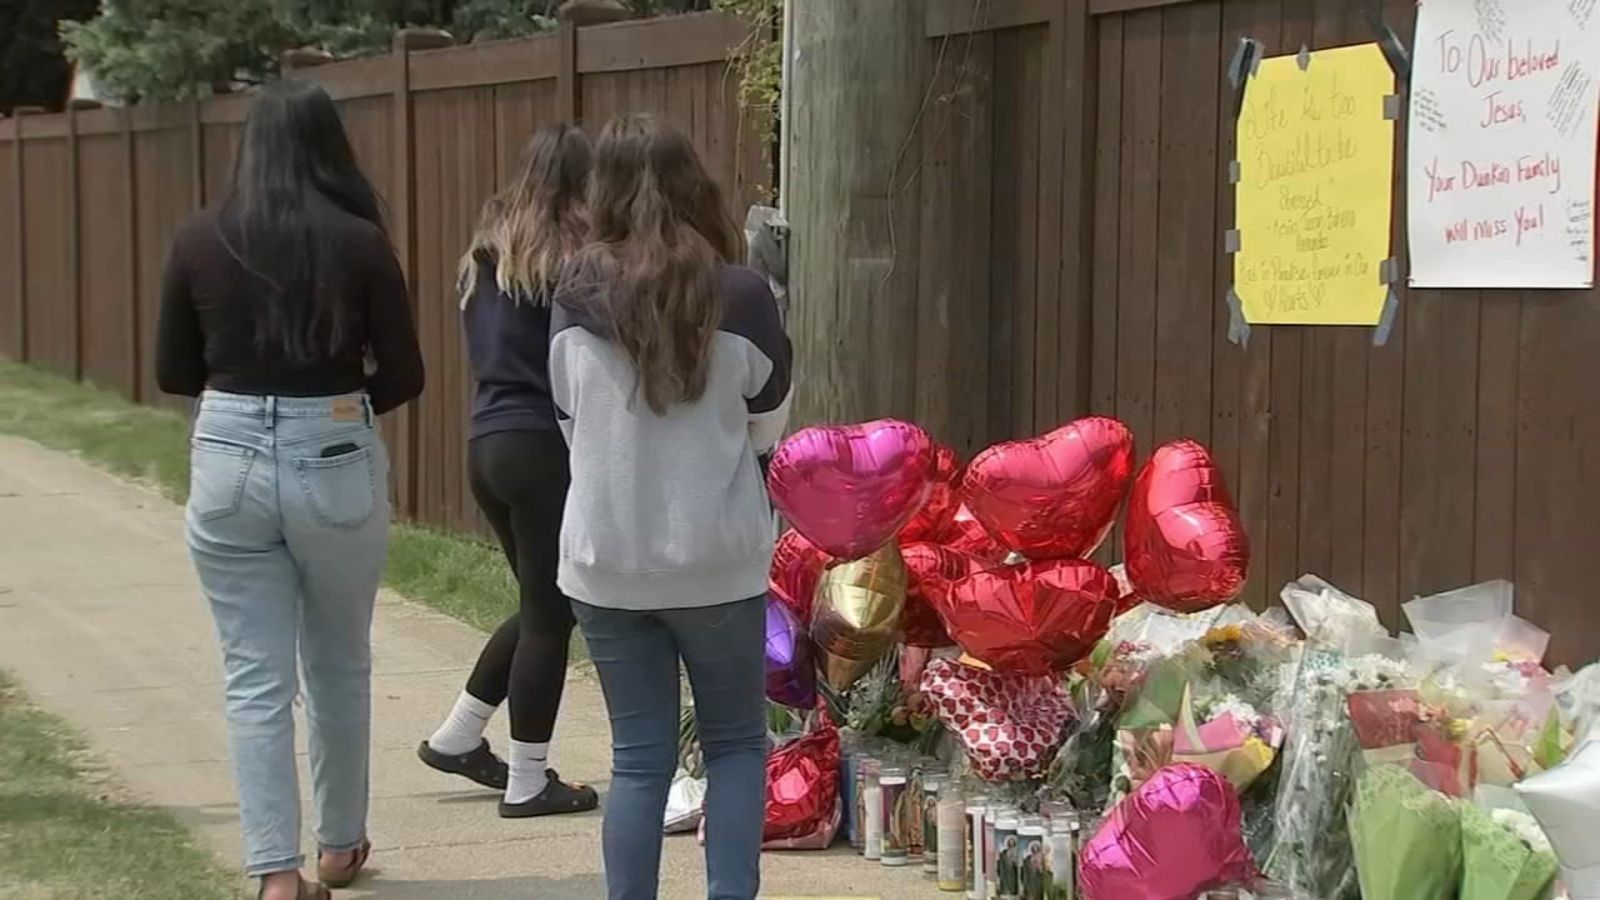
[{"x": 270, "y": 407}]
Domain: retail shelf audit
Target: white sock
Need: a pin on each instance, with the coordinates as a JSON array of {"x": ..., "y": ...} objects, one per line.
[
  {"x": 462, "y": 730},
  {"x": 528, "y": 762}
]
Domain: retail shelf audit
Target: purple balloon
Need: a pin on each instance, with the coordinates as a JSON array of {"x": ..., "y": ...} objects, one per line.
[{"x": 791, "y": 676}]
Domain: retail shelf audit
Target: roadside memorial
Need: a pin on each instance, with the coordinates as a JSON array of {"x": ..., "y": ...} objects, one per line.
[{"x": 1108, "y": 733}]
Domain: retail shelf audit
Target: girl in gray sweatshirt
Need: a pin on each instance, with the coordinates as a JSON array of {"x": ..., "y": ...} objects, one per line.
[{"x": 669, "y": 369}]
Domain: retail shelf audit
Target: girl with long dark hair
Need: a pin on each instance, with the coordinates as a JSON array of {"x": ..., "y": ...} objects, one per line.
[
  {"x": 284, "y": 310},
  {"x": 670, "y": 372},
  {"x": 518, "y": 467}
]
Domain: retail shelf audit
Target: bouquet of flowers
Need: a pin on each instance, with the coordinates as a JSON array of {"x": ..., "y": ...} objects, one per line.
[
  {"x": 1347, "y": 651},
  {"x": 1407, "y": 838},
  {"x": 1505, "y": 855},
  {"x": 1214, "y": 702},
  {"x": 1080, "y": 773},
  {"x": 1484, "y": 670},
  {"x": 884, "y": 704}
]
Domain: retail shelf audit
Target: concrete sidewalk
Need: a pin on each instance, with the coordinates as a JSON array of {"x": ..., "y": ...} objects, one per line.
[{"x": 102, "y": 621}]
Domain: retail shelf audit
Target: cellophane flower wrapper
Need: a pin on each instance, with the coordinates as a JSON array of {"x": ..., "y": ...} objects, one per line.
[
  {"x": 1080, "y": 774},
  {"x": 1577, "y": 698},
  {"x": 1406, "y": 837},
  {"x": 1504, "y": 856},
  {"x": 1482, "y": 668},
  {"x": 1346, "y": 650},
  {"x": 685, "y": 804}
]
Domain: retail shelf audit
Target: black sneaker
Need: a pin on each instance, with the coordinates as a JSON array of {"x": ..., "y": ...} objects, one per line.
[
  {"x": 557, "y": 798},
  {"x": 479, "y": 765}
]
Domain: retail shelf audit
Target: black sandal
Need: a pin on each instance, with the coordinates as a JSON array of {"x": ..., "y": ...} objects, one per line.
[
  {"x": 557, "y": 798},
  {"x": 308, "y": 890},
  {"x": 479, "y": 765}
]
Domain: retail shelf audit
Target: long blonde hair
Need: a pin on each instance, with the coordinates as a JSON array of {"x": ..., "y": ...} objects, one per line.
[
  {"x": 658, "y": 235},
  {"x": 531, "y": 226}
]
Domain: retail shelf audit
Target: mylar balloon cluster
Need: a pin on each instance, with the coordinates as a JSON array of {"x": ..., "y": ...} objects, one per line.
[{"x": 893, "y": 540}]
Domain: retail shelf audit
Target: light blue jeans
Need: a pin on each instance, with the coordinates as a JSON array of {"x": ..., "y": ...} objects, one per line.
[
  {"x": 637, "y": 654},
  {"x": 289, "y": 544}
]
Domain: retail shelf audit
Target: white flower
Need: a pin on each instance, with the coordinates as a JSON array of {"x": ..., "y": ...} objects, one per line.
[
  {"x": 1230, "y": 704},
  {"x": 1523, "y": 826}
]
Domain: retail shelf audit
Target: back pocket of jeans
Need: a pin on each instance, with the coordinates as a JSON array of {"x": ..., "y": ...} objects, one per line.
[
  {"x": 217, "y": 475},
  {"x": 342, "y": 490}
]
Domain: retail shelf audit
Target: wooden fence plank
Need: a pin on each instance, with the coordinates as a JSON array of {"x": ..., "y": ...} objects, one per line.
[
  {"x": 1106, "y": 200},
  {"x": 1495, "y": 497},
  {"x": 944, "y": 18},
  {"x": 953, "y": 303},
  {"x": 1385, "y": 439},
  {"x": 103, "y": 264},
  {"x": 650, "y": 44},
  {"x": 18, "y": 245},
  {"x": 495, "y": 62},
  {"x": 1140, "y": 202},
  {"x": 1107, "y": 7},
  {"x": 1186, "y": 253}
]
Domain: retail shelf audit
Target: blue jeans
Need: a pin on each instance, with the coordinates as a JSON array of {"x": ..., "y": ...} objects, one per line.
[
  {"x": 289, "y": 544},
  {"x": 637, "y": 656}
]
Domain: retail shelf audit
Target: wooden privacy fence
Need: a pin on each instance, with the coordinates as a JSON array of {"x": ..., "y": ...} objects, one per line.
[
  {"x": 1074, "y": 200},
  {"x": 89, "y": 199}
]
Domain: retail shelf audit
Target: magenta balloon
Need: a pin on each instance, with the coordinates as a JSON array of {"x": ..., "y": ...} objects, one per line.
[{"x": 850, "y": 488}]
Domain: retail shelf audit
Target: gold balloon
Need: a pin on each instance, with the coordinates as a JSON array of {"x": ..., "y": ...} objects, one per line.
[{"x": 856, "y": 617}]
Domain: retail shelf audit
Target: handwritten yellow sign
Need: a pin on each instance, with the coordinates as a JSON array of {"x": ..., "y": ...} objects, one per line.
[{"x": 1316, "y": 170}]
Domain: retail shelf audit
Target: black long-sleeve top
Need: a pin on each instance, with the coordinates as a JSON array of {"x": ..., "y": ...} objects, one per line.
[
  {"x": 207, "y": 331},
  {"x": 508, "y": 341}
]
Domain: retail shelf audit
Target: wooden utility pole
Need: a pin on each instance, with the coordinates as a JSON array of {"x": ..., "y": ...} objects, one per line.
[{"x": 857, "y": 84}]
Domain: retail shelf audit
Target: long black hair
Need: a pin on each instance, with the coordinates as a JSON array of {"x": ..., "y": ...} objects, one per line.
[{"x": 294, "y": 174}]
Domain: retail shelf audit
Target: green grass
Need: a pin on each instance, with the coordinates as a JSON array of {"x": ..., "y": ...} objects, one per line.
[
  {"x": 64, "y": 837},
  {"x": 460, "y": 576}
]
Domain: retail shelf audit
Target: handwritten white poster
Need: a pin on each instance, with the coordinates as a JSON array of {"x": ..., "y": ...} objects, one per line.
[{"x": 1501, "y": 168}]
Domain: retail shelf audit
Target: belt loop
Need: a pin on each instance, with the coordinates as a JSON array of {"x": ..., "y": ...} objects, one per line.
[
  {"x": 366, "y": 405},
  {"x": 269, "y": 412}
]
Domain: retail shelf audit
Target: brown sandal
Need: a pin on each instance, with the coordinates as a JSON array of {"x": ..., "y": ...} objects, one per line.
[{"x": 342, "y": 876}]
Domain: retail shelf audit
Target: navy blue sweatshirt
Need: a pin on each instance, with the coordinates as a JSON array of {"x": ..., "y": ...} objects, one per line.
[{"x": 508, "y": 341}]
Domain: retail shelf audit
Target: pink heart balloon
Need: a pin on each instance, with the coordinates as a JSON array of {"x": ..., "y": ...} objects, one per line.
[
  {"x": 1185, "y": 546},
  {"x": 1171, "y": 839},
  {"x": 850, "y": 488},
  {"x": 1056, "y": 496}
]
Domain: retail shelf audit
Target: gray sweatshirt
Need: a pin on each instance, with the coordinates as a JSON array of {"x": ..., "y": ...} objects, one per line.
[{"x": 670, "y": 511}]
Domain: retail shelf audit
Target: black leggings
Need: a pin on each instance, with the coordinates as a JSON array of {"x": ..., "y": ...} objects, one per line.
[{"x": 520, "y": 481}]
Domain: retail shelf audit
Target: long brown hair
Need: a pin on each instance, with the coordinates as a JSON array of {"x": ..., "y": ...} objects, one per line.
[
  {"x": 658, "y": 233},
  {"x": 534, "y": 224}
]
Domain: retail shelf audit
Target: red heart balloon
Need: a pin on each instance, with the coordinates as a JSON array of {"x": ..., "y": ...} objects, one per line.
[
  {"x": 936, "y": 515},
  {"x": 850, "y": 488},
  {"x": 1185, "y": 547},
  {"x": 1033, "y": 619},
  {"x": 797, "y": 566},
  {"x": 1053, "y": 497},
  {"x": 932, "y": 570},
  {"x": 969, "y": 536}
]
